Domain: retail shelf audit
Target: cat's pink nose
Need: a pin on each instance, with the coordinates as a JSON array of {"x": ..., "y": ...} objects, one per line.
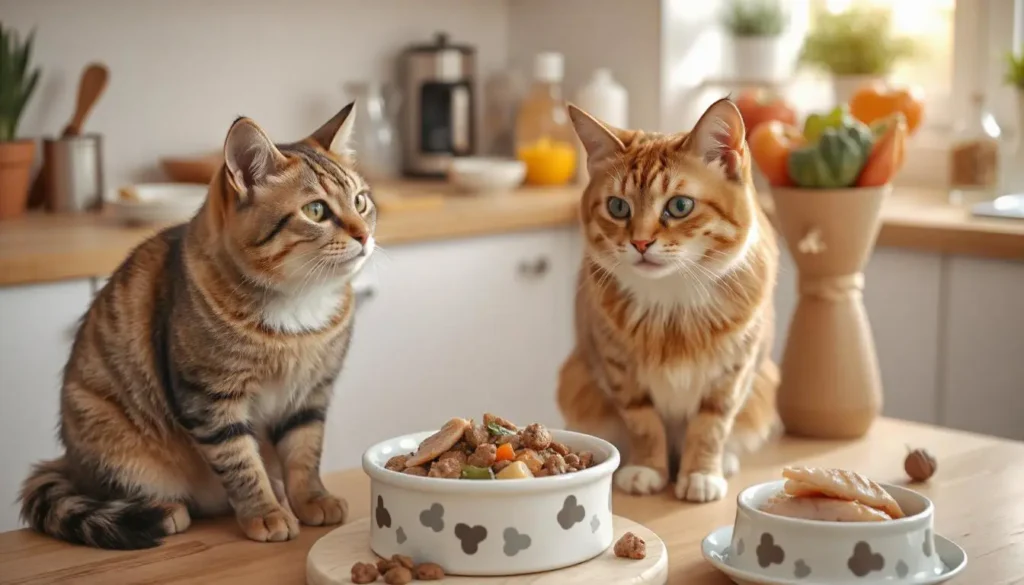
[
  {"x": 641, "y": 245},
  {"x": 361, "y": 238}
]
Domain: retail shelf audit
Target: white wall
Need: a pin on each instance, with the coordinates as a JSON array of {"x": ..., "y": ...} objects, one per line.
[
  {"x": 624, "y": 36},
  {"x": 181, "y": 71}
]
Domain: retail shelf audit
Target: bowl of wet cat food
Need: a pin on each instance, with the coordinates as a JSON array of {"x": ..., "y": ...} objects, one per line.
[
  {"x": 834, "y": 526},
  {"x": 489, "y": 497}
]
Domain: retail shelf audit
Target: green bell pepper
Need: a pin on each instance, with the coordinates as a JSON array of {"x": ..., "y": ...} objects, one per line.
[
  {"x": 473, "y": 472},
  {"x": 815, "y": 124},
  {"x": 836, "y": 160}
]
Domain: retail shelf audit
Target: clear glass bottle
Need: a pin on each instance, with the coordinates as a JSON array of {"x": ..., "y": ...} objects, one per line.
[
  {"x": 974, "y": 156},
  {"x": 375, "y": 135},
  {"x": 545, "y": 140}
]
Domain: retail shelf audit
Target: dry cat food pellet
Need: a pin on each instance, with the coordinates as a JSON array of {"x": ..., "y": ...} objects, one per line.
[
  {"x": 385, "y": 565},
  {"x": 404, "y": 561},
  {"x": 429, "y": 572},
  {"x": 920, "y": 465},
  {"x": 364, "y": 573},
  {"x": 398, "y": 576},
  {"x": 494, "y": 449},
  {"x": 630, "y": 546}
]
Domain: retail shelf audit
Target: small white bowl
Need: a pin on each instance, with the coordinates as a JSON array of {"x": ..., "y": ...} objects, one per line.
[
  {"x": 486, "y": 175},
  {"x": 157, "y": 202},
  {"x": 492, "y": 527},
  {"x": 784, "y": 549}
]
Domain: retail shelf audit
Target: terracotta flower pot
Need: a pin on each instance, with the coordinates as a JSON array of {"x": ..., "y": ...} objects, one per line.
[
  {"x": 15, "y": 168},
  {"x": 831, "y": 387}
]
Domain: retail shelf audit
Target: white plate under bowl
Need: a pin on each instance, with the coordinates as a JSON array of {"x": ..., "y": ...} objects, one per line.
[
  {"x": 716, "y": 550},
  {"x": 158, "y": 203},
  {"x": 492, "y": 527}
]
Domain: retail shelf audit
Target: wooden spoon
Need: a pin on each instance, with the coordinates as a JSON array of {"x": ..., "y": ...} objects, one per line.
[{"x": 91, "y": 86}]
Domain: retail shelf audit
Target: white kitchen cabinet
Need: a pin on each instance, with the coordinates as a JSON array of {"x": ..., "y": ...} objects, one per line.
[
  {"x": 901, "y": 296},
  {"x": 37, "y": 325},
  {"x": 983, "y": 347},
  {"x": 456, "y": 328}
]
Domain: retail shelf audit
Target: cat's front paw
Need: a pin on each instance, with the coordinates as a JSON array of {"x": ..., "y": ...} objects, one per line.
[
  {"x": 640, "y": 479},
  {"x": 271, "y": 525},
  {"x": 321, "y": 509},
  {"x": 701, "y": 487}
]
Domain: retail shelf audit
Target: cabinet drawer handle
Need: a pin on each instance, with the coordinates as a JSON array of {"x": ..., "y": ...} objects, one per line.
[{"x": 534, "y": 268}]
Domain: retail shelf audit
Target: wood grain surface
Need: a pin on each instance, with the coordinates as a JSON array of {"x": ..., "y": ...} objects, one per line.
[
  {"x": 978, "y": 494},
  {"x": 41, "y": 248}
]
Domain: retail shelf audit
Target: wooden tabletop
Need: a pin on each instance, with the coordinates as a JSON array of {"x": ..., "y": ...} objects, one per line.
[
  {"x": 43, "y": 248},
  {"x": 978, "y": 494}
]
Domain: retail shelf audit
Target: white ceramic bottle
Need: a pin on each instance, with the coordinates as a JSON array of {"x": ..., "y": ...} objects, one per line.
[{"x": 607, "y": 101}]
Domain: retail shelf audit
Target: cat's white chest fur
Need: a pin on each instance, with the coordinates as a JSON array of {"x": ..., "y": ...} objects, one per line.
[{"x": 308, "y": 309}]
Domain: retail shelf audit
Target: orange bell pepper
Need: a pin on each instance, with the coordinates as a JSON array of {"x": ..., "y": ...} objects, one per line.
[
  {"x": 877, "y": 100},
  {"x": 770, "y": 144},
  {"x": 886, "y": 156}
]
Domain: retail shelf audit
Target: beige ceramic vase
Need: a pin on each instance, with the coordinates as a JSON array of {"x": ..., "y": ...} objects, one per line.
[
  {"x": 831, "y": 387},
  {"x": 15, "y": 172}
]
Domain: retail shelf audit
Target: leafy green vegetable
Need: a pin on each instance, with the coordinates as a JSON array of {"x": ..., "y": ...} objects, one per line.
[
  {"x": 1015, "y": 69},
  {"x": 498, "y": 430},
  {"x": 473, "y": 472},
  {"x": 17, "y": 80},
  {"x": 816, "y": 123},
  {"x": 835, "y": 161},
  {"x": 857, "y": 41}
]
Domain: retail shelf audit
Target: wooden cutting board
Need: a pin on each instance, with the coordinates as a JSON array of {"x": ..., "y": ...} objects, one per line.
[{"x": 331, "y": 558}]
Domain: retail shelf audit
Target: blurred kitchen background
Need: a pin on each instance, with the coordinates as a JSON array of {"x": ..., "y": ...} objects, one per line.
[{"x": 468, "y": 306}]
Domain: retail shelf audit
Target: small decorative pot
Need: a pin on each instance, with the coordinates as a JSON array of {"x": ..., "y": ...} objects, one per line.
[
  {"x": 831, "y": 387},
  {"x": 15, "y": 169},
  {"x": 844, "y": 86},
  {"x": 756, "y": 59}
]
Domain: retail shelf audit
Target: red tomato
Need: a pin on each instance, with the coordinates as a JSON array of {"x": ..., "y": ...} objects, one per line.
[{"x": 758, "y": 106}]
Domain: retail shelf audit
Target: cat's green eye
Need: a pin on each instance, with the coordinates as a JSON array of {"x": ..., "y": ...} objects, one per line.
[
  {"x": 679, "y": 206},
  {"x": 362, "y": 202},
  {"x": 618, "y": 207},
  {"x": 315, "y": 211}
]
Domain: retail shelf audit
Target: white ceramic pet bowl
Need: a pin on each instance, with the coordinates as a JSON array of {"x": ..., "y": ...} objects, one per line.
[
  {"x": 157, "y": 202},
  {"x": 486, "y": 175},
  {"x": 492, "y": 527},
  {"x": 783, "y": 549}
]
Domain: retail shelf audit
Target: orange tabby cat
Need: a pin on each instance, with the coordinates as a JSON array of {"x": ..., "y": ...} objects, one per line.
[
  {"x": 674, "y": 312},
  {"x": 200, "y": 377}
]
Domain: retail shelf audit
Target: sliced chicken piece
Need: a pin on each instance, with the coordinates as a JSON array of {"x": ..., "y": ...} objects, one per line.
[
  {"x": 841, "y": 484},
  {"x": 443, "y": 440},
  {"x": 822, "y": 509}
]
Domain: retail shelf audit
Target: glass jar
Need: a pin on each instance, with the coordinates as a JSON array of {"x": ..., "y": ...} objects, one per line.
[
  {"x": 974, "y": 156},
  {"x": 375, "y": 135},
  {"x": 545, "y": 140}
]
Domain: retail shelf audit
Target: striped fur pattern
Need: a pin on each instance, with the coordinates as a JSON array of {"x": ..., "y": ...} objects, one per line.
[
  {"x": 200, "y": 377},
  {"x": 674, "y": 310}
]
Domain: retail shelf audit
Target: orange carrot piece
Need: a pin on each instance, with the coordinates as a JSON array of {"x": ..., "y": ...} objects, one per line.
[{"x": 505, "y": 453}]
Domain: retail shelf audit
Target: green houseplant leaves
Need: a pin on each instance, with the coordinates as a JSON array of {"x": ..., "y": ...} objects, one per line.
[{"x": 17, "y": 80}]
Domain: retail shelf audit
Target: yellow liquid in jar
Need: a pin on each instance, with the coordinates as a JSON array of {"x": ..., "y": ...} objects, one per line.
[{"x": 548, "y": 162}]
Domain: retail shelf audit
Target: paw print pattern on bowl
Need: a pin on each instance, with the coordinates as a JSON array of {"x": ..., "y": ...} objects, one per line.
[
  {"x": 470, "y": 537},
  {"x": 800, "y": 569},
  {"x": 571, "y": 513},
  {"x": 400, "y": 535},
  {"x": 902, "y": 569},
  {"x": 381, "y": 514},
  {"x": 769, "y": 553},
  {"x": 433, "y": 517},
  {"x": 864, "y": 560},
  {"x": 515, "y": 542},
  {"x": 741, "y": 547}
]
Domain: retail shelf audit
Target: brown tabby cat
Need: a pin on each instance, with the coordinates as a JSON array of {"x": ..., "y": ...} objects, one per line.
[
  {"x": 674, "y": 311},
  {"x": 200, "y": 377}
]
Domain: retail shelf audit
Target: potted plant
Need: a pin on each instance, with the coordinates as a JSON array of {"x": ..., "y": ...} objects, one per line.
[
  {"x": 17, "y": 83},
  {"x": 828, "y": 183},
  {"x": 856, "y": 47},
  {"x": 755, "y": 28},
  {"x": 1014, "y": 167}
]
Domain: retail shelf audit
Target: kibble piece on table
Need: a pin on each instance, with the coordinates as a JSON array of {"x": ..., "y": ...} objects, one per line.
[
  {"x": 364, "y": 573},
  {"x": 631, "y": 546},
  {"x": 385, "y": 565},
  {"x": 920, "y": 465},
  {"x": 398, "y": 576},
  {"x": 429, "y": 572},
  {"x": 404, "y": 561}
]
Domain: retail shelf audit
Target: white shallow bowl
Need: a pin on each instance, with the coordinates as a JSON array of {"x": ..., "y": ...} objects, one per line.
[
  {"x": 486, "y": 175},
  {"x": 496, "y": 527},
  {"x": 158, "y": 202},
  {"x": 783, "y": 549}
]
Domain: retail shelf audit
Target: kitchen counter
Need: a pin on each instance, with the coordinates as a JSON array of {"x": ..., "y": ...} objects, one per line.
[
  {"x": 978, "y": 494},
  {"x": 42, "y": 248}
]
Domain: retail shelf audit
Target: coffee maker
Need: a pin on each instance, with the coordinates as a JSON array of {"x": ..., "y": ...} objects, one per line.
[{"x": 438, "y": 113}]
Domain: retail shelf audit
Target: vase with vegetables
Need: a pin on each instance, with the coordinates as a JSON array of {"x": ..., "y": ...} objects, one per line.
[
  {"x": 754, "y": 30},
  {"x": 856, "y": 47},
  {"x": 828, "y": 183},
  {"x": 17, "y": 83}
]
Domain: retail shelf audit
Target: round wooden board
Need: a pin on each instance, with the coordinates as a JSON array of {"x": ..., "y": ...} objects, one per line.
[{"x": 331, "y": 558}]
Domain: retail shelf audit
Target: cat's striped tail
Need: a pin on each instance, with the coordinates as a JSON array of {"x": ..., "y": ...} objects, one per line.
[{"x": 51, "y": 504}]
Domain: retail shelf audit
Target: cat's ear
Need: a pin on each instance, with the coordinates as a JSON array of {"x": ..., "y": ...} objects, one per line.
[
  {"x": 249, "y": 156},
  {"x": 718, "y": 138},
  {"x": 600, "y": 140},
  {"x": 335, "y": 136}
]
